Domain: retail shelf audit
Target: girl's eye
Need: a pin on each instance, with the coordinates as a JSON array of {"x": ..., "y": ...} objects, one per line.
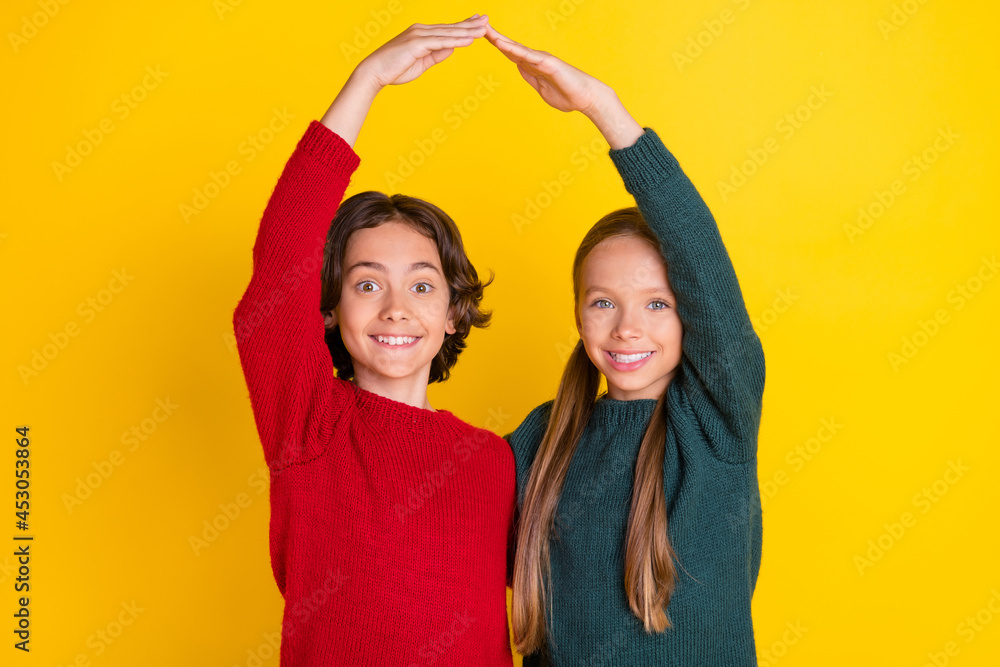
[
  {"x": 367, "y": 286},
  {"x": 422, "y": 288},
  {"x": 603, "y": 303},
  {"x": 659, "y": 305}
]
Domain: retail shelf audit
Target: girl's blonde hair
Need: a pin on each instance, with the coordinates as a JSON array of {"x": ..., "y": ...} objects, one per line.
[{"x": 650, "y": 575}]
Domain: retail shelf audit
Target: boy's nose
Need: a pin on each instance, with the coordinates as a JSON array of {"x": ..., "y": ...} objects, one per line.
[{"x": 395, "y": 308}]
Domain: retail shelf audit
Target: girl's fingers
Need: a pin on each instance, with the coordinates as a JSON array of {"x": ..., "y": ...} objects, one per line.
[
  {"x": 495, "y": 38},
  {"x": 520, "y": 51},
  {"x": 495, "y": 34},
  {"x": 522, "y": 61},
  {"x": 528, "y": 76}
]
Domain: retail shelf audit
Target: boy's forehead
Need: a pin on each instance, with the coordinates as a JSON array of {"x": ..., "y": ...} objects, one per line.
[{"x": 391, "y": 243}]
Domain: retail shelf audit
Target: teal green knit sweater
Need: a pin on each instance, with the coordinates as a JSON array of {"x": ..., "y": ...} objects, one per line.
[{"x": 709, "y": 470}]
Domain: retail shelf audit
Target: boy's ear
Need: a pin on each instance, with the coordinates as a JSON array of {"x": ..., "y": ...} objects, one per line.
[
  {"x": 449, "y": 325},
  {"x": 329, "y": 319}
]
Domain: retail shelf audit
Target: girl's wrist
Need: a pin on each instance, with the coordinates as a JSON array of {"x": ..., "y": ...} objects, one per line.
[{"x": 613, "y": 120}]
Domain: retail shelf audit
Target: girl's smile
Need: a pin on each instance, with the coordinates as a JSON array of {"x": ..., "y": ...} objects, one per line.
[{"x": 624, "y": 360}]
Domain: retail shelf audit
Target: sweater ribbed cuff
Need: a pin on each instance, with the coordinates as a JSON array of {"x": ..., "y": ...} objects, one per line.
[
  {"x": 328, "y": 147},
  {"x": 644, "y": 164}
]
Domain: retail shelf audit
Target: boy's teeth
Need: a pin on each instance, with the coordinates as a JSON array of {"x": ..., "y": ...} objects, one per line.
[
  {"x": 396, "y": 340},
  {"x": 629, "y": 358}
]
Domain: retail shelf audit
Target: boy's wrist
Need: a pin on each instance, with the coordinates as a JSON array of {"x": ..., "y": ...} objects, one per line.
[
  {"x": 360, "y": 84},
  {"x": 347, "y": 113}
]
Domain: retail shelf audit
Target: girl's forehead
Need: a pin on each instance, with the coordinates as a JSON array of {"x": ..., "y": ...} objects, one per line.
[{"x": 623, "y": 263}]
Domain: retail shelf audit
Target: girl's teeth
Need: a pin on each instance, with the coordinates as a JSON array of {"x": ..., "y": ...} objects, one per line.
[
  {"x": 629, "y": 358},
  {"x": 395, "y": 340}
]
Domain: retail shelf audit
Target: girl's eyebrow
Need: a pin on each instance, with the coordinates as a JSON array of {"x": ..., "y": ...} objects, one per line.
[
  {"x": 647, "y": 290},
  {"x": 378, "y": 266}
]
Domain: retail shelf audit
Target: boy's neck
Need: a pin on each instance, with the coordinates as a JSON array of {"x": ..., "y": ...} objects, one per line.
[{"x": 409, "y": 390}]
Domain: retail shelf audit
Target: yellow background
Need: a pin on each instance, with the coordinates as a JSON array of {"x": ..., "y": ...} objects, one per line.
[{"x": 845, "y": 303}]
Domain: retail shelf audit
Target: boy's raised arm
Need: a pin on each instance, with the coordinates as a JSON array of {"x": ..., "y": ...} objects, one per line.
[
  {"x": 280, "y": 332},
  {"x": 278, "y": 326}
]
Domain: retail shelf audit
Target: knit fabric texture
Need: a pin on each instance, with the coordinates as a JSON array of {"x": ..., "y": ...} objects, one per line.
[
  {"x": 709, "y": 471},
  {"x": 389, "y": 523}
]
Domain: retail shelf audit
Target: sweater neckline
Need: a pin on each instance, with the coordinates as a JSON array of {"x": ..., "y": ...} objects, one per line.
[
  {"x": 613, "y": 410},
  {"x": 387, "y": 413}
]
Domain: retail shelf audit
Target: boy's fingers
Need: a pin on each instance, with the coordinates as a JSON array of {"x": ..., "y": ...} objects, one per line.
[
  {"x": 437, "y": 43},
  {"x": 451, "y": 30},
  {"x": 475, "y": 19},
  {"x": 438, "y": 56}
]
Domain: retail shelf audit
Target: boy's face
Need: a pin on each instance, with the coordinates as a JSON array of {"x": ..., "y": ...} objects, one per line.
[
  {"x": 394, "y": 304},
  {"x": 627, "y": 318}
]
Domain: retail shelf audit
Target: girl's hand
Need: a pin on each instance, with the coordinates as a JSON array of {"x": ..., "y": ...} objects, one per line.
[
  {"x": 561, "y": 85},
  {"x": 418, "y": 48},
  {"x": 566, "y": 88}
]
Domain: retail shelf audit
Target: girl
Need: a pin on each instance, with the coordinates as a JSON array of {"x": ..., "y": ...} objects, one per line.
[
  {"x": 639, "y": 535},
  {"x": 389, "y": 520}
]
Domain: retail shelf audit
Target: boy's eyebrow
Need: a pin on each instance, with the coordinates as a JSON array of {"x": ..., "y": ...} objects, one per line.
[{"x": 378, "y": 266}]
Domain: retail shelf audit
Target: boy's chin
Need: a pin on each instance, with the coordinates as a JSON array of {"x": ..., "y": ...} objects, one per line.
[{"x": 396, "y": 370}]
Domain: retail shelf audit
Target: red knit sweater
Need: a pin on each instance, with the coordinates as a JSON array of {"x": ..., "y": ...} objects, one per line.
[{"x": 389, "y": 523}]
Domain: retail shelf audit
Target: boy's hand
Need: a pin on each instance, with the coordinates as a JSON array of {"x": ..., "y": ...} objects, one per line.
[
  {"x": 418, "y": 48},
  {"x": 403, "y": 58}
]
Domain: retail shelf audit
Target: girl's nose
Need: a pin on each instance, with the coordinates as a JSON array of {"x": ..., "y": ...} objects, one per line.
[{"x": 627, "y": 326}]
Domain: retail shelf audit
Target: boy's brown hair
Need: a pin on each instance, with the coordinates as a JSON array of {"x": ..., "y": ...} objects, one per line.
[{"x": 370, "y": 209}]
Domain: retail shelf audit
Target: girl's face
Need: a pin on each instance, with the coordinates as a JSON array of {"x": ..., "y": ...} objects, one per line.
[
  {"x": 394, "y": 304},
  {"x": 627, "y": 318}
]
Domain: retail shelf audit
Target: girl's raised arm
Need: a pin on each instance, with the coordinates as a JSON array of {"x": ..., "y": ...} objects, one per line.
[
  {"x": 722, "y": 361},
  {"x": 280, "y": 332},
  {"x": 722, "y": 358}
]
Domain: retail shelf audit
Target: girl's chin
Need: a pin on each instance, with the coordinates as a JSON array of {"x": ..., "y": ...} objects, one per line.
[{"x": 638, "y": 389}]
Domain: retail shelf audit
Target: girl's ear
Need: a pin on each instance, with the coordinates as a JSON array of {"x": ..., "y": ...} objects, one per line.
[
  {"x": 449, "y": 325},
  {"x": 329, "y": 319}
]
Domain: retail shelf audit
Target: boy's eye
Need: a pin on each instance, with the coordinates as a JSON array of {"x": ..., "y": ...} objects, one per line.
[
  {"x": 659, "y": 305},
  {"x": 422, "y": 288},
  {"x": 603, "y": 303},
  {"x": 368, "y": 286}
]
